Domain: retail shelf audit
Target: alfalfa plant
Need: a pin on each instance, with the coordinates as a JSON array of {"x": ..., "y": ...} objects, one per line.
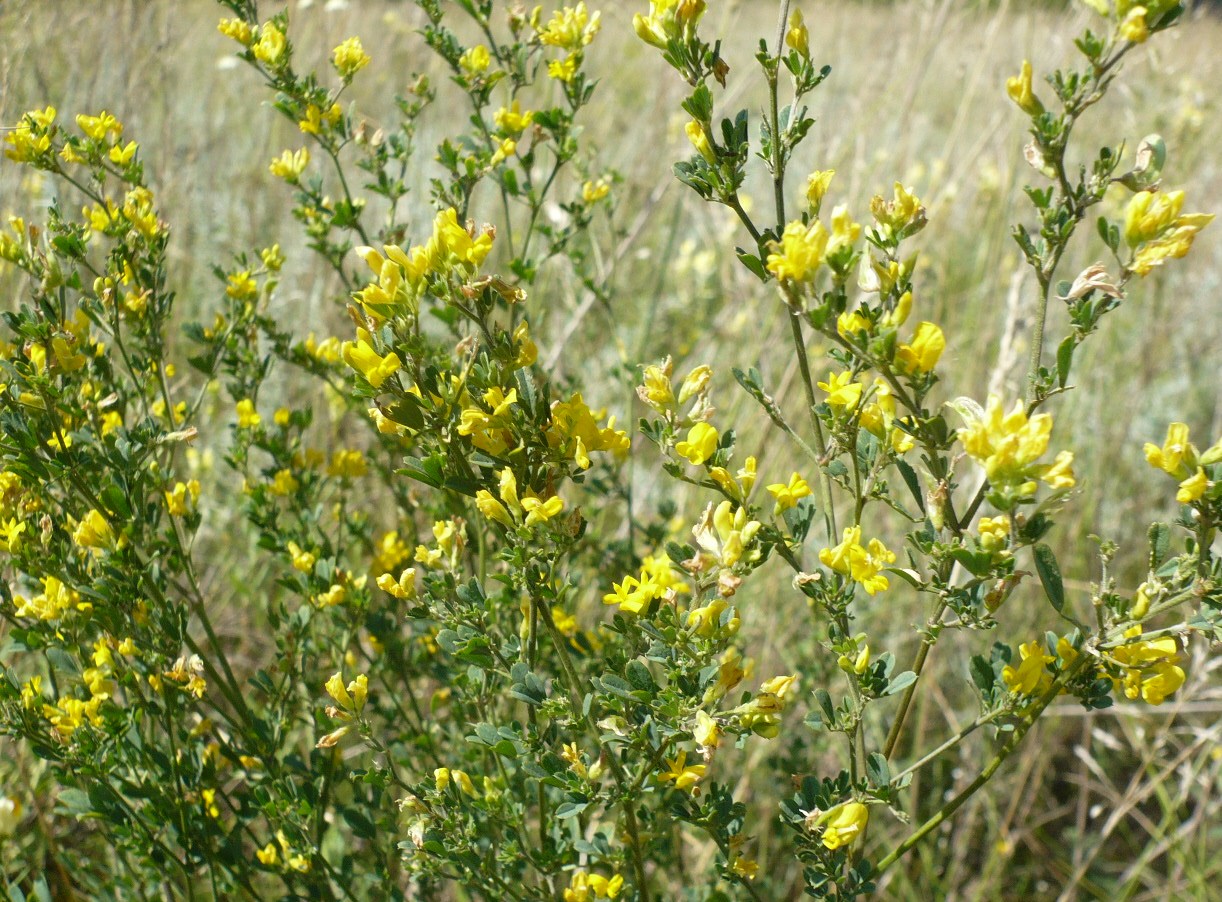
[{"x": 476, "y": 682}]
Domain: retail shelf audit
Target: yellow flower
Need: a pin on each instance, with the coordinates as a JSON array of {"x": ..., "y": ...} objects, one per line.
[
  {"x": 269, "y": 49},
  {"x": 475, "y": 60},
  {"x": 564, "y": 69},
  {"x": 247, "y": 417},
  {"x": 725, "y": 534},
  {"x": 1030, "y": 677},
  {"x": 994, "y": 533},
  {"x": 1157, "y": 231},
  {"x": 540, "y": 511},
  {"x": 93, "y": 532},
  {"x": 571, "y": 28},
  {"x": 237, "y": 29},
  {"x": 511, "y": 120},
  {"x": 798, "y": 36},
  {"x": 902, "y": 215},
  {"x": 268, "y": 855},
  {"x": 315, "y": 119},
  {"x": 348, "y": 463},
  {"x": 594, "y": 191},
  {"x": 1177, "y": 457},
  {"x": 303, "y": 561},
  {"x": 668, "y": 20},
  {"x": 1133, "y": 27},
  {"x": 97, "y": 127},
  {"x": 1021, "y": 92},
  {"x": 706, "y": 732},
  {"x": 1150, "y": 667},
  {"x": 1008, "y": 445},
  {"x": 123, "y": 155},
  {"x": 176, "y": 499},
  {"x": 701, "y": 444},
  {"x": 843, "y": 824},
  {"x": 816, "y": 188},
  {"x": 1193, "y": 488},
  {"x": 862, "y": 564},
  {"x": 843, "y": 393},
  {"x": 402, "y": 588},
  {"x": 685, "y": 776},
  {"x": 376, "y": 369},
  {"x": 700, "y": 140},
  {"x": 350, "y": 698},
  {"x": 290, "y": 164},
  {"x": 349, "y": 58},
  {"x": 787, "y": 496},
  {"x": 922, "y": 355},
  {"x": 800, "y": 252}
]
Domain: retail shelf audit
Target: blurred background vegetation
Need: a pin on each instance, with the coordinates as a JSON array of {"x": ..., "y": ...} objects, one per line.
[{"x": 1120, "y": 804}]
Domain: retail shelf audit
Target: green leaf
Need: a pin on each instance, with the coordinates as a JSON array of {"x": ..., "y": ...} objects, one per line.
[
  {"x": 982, "y": 673},
  {"x": 877, "y": 769},
  {"x": 1050, "y": 576},
  {"x": 1065, "y": 360},
  {"x": 910, "y": 480},
  {"x": 901, "y": 682}
]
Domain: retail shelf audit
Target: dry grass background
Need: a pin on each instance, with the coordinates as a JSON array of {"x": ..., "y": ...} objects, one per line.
[{"x": 1122, "y": 804}]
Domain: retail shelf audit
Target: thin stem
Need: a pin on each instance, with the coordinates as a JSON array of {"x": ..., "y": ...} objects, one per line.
[{"x": 918, "y": 665}]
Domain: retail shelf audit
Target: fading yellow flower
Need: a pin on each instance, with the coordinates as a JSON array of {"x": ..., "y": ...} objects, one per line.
[{"x": 290, "y": 164}]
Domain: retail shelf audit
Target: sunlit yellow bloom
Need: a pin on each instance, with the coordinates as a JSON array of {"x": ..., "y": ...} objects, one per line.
[
  {"x": 402, "y": 588},
  {"x": 788, "y": 495},
  {"x": 269, "y": 49},
  {"x": 350, "y": 698},
  {"x": 1156, "y": 229},
  {"x": 575, "y": 431},
  {"x": 1008, "y": 445},
  {"x": 685, "y": 776},
  {"x": 176, "y": 499},
  {"x": 737, "y": 488},
  {"x": 317, "y": 119},
  {"x": 843, "y": 392},
  {"x": 571, "y": 28},
  {"x": 594, "y": 191},
  {"x": 99, "y": 126},
  {"x": 1020, "y": 89},
  {"x": 701, "y": 444},
  {"x": 732, "y": 669},
  {"x": 1133, "y": 27},
  {"x": 1193, "y": 488},
  {"x": 700, "y": 140},
  {"x": 284, "y": 483},
  {"x": 923, "y": 354},
  {"x": 376, "y": 369},
  {"x": 845, "y": 232},
  {"x": 290, "y": 164},
  {"x": 1150, "y": 667},
  {"x": 816, "y": 188},
  {"x": 862, "y": 564},
  {"x": 511, "y": 120},
  {"x": 94, "y": 532},
  {"x": 994, "y": 532},
  {"x": 798, "y": 36},
  {"x": 248, "y": 418},
  {"x": 123, "y": 155},
  {"x": 655, "y": 388},
  {"x": 800, "y": 252},
  {"x": 1177, "y": 457},
  {"x": 1030, "y": 677},
  {"x": 902, "y": 215},
  {"x": 349, "y": 58},
  {"x": 303, "y": 561},
  {"x": 475, "y": 60},
  {"x": 843, "y": 824},
  {"x": 237, "y": 29},
  {"x": 668, "y": 20}
]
